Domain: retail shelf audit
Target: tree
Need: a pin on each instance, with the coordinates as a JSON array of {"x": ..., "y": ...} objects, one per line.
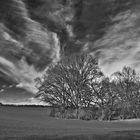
[
  {"x": 128, "y": 88},
  {"x": 66, "y": 84},
  {"x": 103, "y": 96}
]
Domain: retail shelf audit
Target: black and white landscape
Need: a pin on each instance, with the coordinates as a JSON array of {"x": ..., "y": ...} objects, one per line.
[{"x": 69, "y": 69}]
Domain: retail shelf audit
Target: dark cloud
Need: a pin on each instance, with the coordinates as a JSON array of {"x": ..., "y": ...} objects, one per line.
[{"x": 13, "y": 15}]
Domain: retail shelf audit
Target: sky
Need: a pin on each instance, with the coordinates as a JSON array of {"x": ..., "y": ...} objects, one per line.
[
  {"x": 33, "y": 34},
  {"x": 26, "y": 49}
]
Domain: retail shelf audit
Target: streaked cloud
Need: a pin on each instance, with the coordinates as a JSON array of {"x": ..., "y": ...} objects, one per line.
[
  {"x": 120, "y": 45},
  {"x": 26, "y": 47}
]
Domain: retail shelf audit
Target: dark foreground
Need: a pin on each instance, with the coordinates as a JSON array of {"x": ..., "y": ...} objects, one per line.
[{"x": 30, "y": 123}]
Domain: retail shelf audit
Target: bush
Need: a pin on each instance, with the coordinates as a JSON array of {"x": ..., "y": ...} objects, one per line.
[
  {"x": 86, "y": 115},
  {"x": 83, "y": 114}
]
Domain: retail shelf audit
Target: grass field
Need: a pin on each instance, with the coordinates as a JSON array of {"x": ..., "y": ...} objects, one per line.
[{"x": 30, "y": 123}]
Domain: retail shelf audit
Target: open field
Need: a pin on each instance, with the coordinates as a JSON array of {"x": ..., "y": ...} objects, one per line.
[{"x": 30, "y": 123}]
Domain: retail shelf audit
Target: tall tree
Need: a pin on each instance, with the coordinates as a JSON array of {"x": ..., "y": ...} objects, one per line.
[{"x": 66, "y": 84}]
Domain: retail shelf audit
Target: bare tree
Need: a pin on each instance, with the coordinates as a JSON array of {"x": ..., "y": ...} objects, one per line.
[
  {"x": 103, "y": 96},
  {"x": 128, "y": 88},
  {"x": 66, "y": 84}
]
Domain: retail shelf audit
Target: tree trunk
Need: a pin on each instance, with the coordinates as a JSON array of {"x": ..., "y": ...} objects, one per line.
[
  {"x": 122, "y": 115},
  {"x": 102, "y": 115},
  {"x": 77, "y": 113},
  {"x": 78, "y": 109},
  {"x": 109, "y": 115}
]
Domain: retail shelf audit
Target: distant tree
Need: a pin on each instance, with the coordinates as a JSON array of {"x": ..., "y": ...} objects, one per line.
[
  {"x": 128, "y": 88},
  {"x": 66, "y": 84}
]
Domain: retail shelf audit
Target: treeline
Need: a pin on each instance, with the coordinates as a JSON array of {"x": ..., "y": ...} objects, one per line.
[
  {"x": 78, "y": 87},
  {"x": 16, "y": 105}
]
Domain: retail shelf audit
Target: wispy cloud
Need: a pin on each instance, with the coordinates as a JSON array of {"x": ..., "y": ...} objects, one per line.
[
  {"x": 26, "y": 49},
  {"x": 120, "y": 45}
]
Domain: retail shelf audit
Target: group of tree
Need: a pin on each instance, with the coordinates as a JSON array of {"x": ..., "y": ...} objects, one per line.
[{"x": 80, "y": 89}]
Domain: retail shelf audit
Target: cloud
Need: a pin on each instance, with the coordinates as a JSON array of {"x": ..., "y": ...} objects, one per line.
[
  {"x": 26, "y": 47},
  {"x": 120, "y": 46},
  {"x": 27, "y": 101}
]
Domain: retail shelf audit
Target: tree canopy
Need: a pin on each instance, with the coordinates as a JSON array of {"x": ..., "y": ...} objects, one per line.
[{"x": 77, "y": 83}]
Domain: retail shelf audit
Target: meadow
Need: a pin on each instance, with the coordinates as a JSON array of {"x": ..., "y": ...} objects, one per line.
[{"x": 34, "y": 123}]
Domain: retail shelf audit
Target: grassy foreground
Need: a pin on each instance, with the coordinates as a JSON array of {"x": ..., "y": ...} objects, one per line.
[{"x": 30, "y": 123}]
